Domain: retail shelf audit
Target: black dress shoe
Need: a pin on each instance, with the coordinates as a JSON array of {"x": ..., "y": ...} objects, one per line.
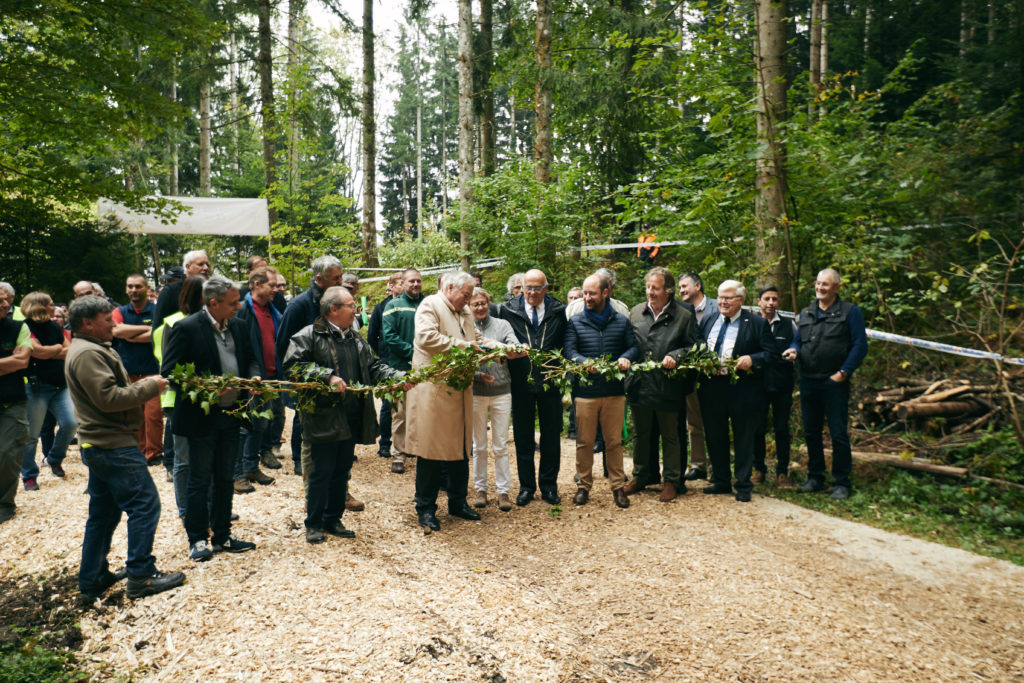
[
  {"x": 524, "y": 497},
  {"x": 336, "y": 528},
  {"x": 717, "y": 489},
  {"x": 811, "y": 486},
  {"x": 464, "y": 511},
  {"x": 581, "y": 497},
  {"x": 551, "y": 496},
  {"x": 743, "y": 496},
  {"x": 695, "y": 473},
  {"x": 428, "y": 520}
]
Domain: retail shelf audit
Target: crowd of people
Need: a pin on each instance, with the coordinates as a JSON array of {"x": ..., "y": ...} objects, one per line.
[{"x": 102, "y": 373}]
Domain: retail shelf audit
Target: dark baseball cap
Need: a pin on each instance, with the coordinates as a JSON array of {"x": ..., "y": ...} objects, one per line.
[{"x": 173, "y": 273}]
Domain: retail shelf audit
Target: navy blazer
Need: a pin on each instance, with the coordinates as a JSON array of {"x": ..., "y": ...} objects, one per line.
[
  {"x": 753, "y": 339},
  {"x": 191, "y": 341}
]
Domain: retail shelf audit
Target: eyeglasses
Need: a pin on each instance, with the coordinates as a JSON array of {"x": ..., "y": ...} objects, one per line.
[
  {"x": 535, "y": 289},
  {"x": 729, "y": 298}
]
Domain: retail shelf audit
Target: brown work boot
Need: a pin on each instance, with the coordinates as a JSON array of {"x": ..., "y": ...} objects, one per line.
[
  {"x": 242, "y": 485},
  {"x": 259, "y": 477},
  {"x": 480, "y": 499},
  {"x": 782, "y": 481},
  {"x": 668, "y": 492},
  {"x": 621, "y": 499},
  {"x": 634, "y": 486},
  {"x": 354, "y": 504},
  {"x": 504, "y": 502}
]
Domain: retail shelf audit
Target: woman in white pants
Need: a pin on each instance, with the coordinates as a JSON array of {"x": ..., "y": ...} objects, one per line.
[{"x": 492, "y": 391}]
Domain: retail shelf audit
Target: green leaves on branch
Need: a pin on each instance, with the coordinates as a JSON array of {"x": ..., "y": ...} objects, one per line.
[{"x": 456, "y": 368}]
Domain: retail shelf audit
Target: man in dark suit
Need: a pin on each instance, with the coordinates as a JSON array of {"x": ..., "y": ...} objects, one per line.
[
  {"x": 215, "y": 343},
  {"x": 778, "y": 392},
  {"x": 733, "y": 333},
  {"x": 538, "y": 320}
]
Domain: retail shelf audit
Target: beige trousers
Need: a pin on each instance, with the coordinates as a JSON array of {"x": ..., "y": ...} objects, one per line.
[{"x": 609, "y": 412}]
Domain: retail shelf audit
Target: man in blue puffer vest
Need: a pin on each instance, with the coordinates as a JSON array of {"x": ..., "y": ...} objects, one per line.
[{"x": 594, "y": 333}]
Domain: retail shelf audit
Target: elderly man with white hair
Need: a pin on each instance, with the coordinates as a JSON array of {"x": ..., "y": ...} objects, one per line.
[
  {"x": 440, "y": 419},
  {"x": 734, "y": 334},
  {"x": 195, "y": 262}
]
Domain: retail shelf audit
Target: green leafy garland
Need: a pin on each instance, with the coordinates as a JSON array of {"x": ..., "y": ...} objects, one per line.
[{"x": 456, "y": 368}]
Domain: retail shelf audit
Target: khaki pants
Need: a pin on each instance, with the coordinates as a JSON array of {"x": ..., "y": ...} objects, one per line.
[
  {"x": 609, "y": 412},
  {"x": 695, "y": 425},
  {"x": 398, "y": 431}
]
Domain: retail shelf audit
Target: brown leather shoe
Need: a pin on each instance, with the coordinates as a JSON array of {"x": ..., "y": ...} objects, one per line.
[
  {"x": 782, "y": 481},
  {"x": 242, "y": 485},
  {"x": 758, "y": 477},
  {"x": 668, "y": 492},
  {"x": 353, "y": 505},
  {"x": 259, "y": 477},
  {"x": 581, "y": 497},
  {"x": 480, "y": 499},
  {"x": 504, "y": 502},
  {"x": 634, "y": 486},
  {"x": 620, "y": 498}
]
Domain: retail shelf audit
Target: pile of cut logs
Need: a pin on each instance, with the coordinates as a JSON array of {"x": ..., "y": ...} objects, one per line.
[{"x": 965, "y": 406}]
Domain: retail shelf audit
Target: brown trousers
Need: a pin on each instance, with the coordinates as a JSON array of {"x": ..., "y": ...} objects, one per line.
[
  {"x": 609, "y": 412},
  {"x": 151, "y": 431}
]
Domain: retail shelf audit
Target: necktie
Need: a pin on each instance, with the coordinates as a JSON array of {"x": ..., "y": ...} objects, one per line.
[
  {"x": 536, "y": 323},
  {"x": 721, "y": 336}
]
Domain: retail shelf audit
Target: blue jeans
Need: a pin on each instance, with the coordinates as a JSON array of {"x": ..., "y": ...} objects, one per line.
[
  {"x": 43, "y": 397},
  {"x": 249, "y": 444},
  {"x": 180, "y": 473},
  {"x": 824, "y": 401},
  {"x": 119, "y": 481},
  {"x": 211, "y": 458},
  {"x": 384, "y": 444},
  {"x": 328, "y": 482}
]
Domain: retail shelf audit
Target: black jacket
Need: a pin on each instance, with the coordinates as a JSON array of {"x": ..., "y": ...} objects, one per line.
[
  {"x": 376, "y": 327},
  {"x": 327, "y": 423},
  {"x": 753, "y": 339},
  {"x": 550, "y": 337},
  {"x": 302, "y": 311},
  {"x": 674, "y": 334},
  {"x": 778, "y": 375},
  {"x": 167, "y": 302},
  {"x": 585, "y": 339},
  {"x": 191, "y": 341}
]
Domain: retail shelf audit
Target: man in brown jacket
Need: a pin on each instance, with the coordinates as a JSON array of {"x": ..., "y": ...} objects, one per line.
[{"x": 108, "y": 408}]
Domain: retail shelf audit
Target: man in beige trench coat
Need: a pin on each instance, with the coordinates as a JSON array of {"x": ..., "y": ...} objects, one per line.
[{"x": 439, "y": 418}]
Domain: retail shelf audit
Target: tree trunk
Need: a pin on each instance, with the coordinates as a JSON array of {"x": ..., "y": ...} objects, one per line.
[
  {"x": 815, "y": 70},
  {"x": 868, "y": 15},
  {"x": 487, "y": 156},
  {"x": 295, "y": 9},
  {"x": 233, "y": 71},
  {"x": 419, "y": 137},
  {"x": 204, "y": 137},
  {"x": 513, "y": 139},
  {"x": 773, "y": 248},
  {"x": 369, "y": 143},
  {"x": 824, "y": 40},
  {"x": 465, "y": 122},
  {"x": 264, "y": 61},
  {"x": 542, "y": 95},
  {"x": 172, "y": 173},
  {"x": 444, "y": 125},
  {"x": 966, "y": 25}
]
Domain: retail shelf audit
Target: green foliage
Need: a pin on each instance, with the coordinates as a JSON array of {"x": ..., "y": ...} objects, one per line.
[
  {"x": 432, "y": 249},
  {"x": 31, "y": 661}
]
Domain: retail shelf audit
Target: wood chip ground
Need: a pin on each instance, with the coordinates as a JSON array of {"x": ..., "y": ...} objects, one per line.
[{"x": 702, "y": 588}]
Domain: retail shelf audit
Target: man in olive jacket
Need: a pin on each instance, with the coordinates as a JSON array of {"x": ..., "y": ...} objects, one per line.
[
  {"x": 666, "y": 332},
  {"x": 339, "y": 356}
]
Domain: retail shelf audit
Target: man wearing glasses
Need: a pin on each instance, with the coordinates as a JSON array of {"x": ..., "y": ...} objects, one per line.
[
  {"x": 538, "y": 320},
  {"x": 734, "y": 334}
]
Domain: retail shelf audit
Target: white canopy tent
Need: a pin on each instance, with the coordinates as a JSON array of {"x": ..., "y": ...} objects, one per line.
[{"x": 203, "y": 216}]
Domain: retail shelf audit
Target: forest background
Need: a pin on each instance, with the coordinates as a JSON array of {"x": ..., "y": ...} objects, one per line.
[{"x": 881, "y": 137}]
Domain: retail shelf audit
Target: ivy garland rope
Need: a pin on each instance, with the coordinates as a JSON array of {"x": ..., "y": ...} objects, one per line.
[{"x": 455, "y": 368}]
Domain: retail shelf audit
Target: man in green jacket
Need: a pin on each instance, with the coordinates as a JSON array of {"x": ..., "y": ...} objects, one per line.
[
  {"x": 108, "y": 408},
  {"x": 399, "y": 330}
]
